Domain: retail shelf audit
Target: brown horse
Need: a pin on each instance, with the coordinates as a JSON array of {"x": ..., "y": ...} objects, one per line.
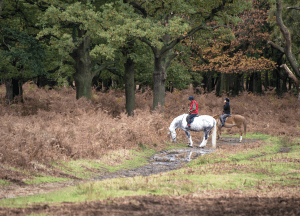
[{"x": 232, "y": 121}]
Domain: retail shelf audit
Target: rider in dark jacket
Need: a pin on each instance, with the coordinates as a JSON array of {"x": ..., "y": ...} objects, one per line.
[{"x": 226, "y": 111}]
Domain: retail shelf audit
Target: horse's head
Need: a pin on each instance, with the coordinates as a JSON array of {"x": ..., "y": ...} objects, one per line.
[{"x": 173, "y": 134}]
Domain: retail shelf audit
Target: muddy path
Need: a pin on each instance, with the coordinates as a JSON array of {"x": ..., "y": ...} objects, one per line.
[{"x": 161, "y": 162}]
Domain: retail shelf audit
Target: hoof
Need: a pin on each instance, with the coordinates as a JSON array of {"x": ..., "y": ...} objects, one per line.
[
  {"x": 190, "y": 146},
  {"x": 201, "y": 147}
]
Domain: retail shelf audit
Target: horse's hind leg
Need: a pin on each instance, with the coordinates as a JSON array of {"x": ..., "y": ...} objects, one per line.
[
  {"x": 241, "y": 134},
  {"x": 205, "y": 137},
  {"x": 189, "y": 138}
]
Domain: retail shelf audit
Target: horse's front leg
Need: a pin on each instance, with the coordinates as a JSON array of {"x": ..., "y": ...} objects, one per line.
[
  {"x": 190, "y": 142},
  {"x": 219, "y": 132}
]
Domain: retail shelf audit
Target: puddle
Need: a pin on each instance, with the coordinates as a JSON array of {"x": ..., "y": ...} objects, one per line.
[
  {"x": 171, "y": 160},
  {"x": 178, "y": 155},
  {"x": 161, "y": 162}
]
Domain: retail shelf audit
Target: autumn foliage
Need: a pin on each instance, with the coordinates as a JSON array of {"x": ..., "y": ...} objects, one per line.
[
  {"x": 240, "y": 51},
  {"x": 52, "y": 125}
]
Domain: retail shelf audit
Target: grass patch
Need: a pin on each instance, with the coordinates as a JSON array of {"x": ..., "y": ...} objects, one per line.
[
  {"x": 112, "y": 161},
  {"x": 286, "y": 141},
  {"x": 45, "y": 179},
  {"x": 4, "y": 183},
  {"x": 252, "y": 168},
  {"x": 250, "y": 135}
]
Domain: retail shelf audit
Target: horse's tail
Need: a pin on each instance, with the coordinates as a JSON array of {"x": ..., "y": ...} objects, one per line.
[
  {"x": 245, "y": 127},
  {"x": 214, "y": 135}
]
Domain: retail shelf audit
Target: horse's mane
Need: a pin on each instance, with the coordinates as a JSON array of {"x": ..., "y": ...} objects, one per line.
[
  {"x": 176, "y": 119},
  {"x": 216, "y": 116}
]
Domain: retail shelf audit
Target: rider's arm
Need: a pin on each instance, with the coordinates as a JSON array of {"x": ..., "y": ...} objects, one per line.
[
  {"x": 194, "y": 108},
  {"x": 226, "y": 108}
]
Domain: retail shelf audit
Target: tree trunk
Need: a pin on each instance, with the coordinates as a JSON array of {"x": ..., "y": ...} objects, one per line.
[
  {"x": 218, "y": 85},
  {"x": 20, "y": 87},
  {"x": 209, "y": 81},
  {"x": 83, "y": 76},
  {"x": 83, "y": 86},
  {"x": 242, "y": 78},
  {"x": 9, "y": 91},
  {"x": 237, "y": 84},
  {"x": 277, "y": 82},
  {"x": 13, "y": 89},
  {"x": 255, "y": 82},
  {"x": 247, "y": 82},
  {"x": 1, "y": 6},
  {"x": 159, "y": 83},
  {"x": 258, "y": 83},
  {"x": 227, "y": 83},
  {"x": 251, "y": 81},
  {"x": 291, "y": 76},
  {"x": 287, "y": 49},
  {"x": 129, "y": 86},
  {"x": 283, "y": 86},
  {"x": 222, "y": 84},
  {"x": 266, "y": 81}
]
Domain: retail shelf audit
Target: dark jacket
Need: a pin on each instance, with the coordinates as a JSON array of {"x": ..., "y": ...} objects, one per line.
[{"x": 226, "y": 108}]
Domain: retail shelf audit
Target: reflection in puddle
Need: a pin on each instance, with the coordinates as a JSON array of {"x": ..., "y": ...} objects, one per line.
[{"x": 178, "y": 155}]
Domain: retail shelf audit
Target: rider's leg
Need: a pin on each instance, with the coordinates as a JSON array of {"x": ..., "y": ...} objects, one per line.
[
  {"x": 188, "y": 120},
  {"x": 222, "y": 120}
]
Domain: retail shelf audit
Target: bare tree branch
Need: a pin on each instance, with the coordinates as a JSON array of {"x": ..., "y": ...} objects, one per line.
[
  {"x": 180, "y": 38},
  {"x": 290, "y": 75},
  {"x": 293, "y": 7},
  {"x": 103, "y": 66},
  {"x": 171, "y": 58},
  {"x": 276, "y": 46},
  {"x": 154, "y": 49},
  {"x": 287, "y": 37}
]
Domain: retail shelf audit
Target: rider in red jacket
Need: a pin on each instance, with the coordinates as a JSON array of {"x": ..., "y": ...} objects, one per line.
[{"x": 193, "y": 111}]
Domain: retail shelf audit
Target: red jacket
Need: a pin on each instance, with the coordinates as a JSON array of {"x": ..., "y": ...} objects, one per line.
[{"x": 196, "y": 111}]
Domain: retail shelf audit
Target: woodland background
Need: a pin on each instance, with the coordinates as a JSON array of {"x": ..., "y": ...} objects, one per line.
[{"x": 81, "y": 78}]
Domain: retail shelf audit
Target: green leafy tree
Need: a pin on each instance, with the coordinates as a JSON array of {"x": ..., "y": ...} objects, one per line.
[
  {"x": 163, "y": 24},
  {"x": 81, "y": 35},
  {"x": 20, "y": 53}
]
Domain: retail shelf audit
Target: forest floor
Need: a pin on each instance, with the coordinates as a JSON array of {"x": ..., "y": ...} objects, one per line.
[
  {"x": 53, "y": 141},
  {"x": 230, "y": 202},
  {"x": 281, "y": 201},
  {"x": 164, "y": 161}
]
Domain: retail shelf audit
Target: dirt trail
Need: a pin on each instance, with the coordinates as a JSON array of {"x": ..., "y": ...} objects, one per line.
[
  {"x": 162, "y": 162},
  {"x": 224, "y": 203},
  {"x": 281, "y": 201}
]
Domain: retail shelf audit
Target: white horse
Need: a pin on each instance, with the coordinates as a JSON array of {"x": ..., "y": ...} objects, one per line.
[{"x": 201, "y": 123}]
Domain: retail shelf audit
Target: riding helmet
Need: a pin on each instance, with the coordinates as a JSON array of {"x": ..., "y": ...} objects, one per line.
[
  {"x": 191, "y": 98},
  {"x": 227, "y": 99}
]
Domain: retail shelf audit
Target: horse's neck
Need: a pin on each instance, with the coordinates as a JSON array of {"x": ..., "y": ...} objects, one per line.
[{"x": 177, "y": 122}]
